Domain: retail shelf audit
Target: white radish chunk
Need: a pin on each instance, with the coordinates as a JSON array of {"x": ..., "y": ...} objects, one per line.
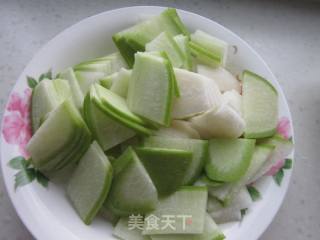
[
  {"x": 233, "y": 99},
  {"x": 179, "y": 129}
]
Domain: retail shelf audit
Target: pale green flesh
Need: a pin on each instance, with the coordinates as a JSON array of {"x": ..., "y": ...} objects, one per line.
[
  {"x": 260, "y": 106},
  {"x": 199, "y": 149},
  {"x": 166, "y": 167},
  {"x": 132, "y": 189},
  {"x": 229, "y": 158},
  {"x": 228, "y": 191},
  {"x": 77, "y": 94},
  {"x": 211, "y": 232},
  {"x": 90, "y": 183},
  {"x": 164, "y": 42},
  {"x": 123, "y": 231},
  {"x": 208, "y": 49},
  {"x": 44, "y": 100},
  {"x": 189, "y": 202},
  {"x": 106, "y": 130},
  {"x": 151, "y": 73},
  {"x": 121, "y": 82},
  {"x": 134, "y": 39},
  {"x": 54, "y": 134},
  {"x": 183, "y": 43}
]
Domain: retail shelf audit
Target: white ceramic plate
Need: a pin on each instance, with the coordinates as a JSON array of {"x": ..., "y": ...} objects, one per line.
[{"x": 47, "y": 212}]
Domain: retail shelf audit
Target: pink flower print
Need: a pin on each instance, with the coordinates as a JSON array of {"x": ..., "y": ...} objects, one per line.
[
  {"x": 283, "y": 127},
  {"x": 275, "y": 168},
  {"x": 16, "y": 124}
]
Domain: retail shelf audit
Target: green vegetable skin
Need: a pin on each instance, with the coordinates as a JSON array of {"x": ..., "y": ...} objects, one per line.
[
  {"x": 229, "y": 158},
  {"x": 90, "y": 183},
  {"x": 260, "y": 106},
  {"x": 187, "y": 201},
  {"x": 133, "y": 39},
  {"x": 199, "y": 149},
  {"x": 132, "y": 190},
  {"x": 183, "y": 43},
  {"x": 166, "y": 167},
  {"x": 155, "y": 74}
]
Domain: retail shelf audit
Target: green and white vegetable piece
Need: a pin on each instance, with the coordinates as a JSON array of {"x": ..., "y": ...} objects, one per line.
[
  {"x": 211, "y": 232},
  {"x": 123, "y": 231},
  {"x": 189, "y": 203},
  {"x": 260, "y": 106},
  {"x": 183, "y": 43},
  {"x": 208, "y": 49},
  {"x": 229, "y": 159},
  {"x": 178, "y": 129},
  {"x": 165, "y": 42},
  {"x": 221, "y": 122},
  {"x": 167, "y": 168},
  {"x": 233, "y": 99},
  {"x": 153, "y": 73},
  {"x": 132, "y": 190},
  {"x": 199, "y": 149},
  {"x": 222, "y": 77},
  {"x": 90, "y": 183},
  {"x": 197, "y": 94}
]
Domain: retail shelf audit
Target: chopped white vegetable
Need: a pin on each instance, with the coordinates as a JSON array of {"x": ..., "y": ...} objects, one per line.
[{"x": 233, "y": 99}]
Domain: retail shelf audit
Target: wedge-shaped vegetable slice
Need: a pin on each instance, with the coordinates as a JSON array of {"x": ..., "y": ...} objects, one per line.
[
  {"x": 187, "y": 204},
  {"x": 116, "y": 107},
  {"x": 233, "y": 99},
  {"x": 90, "y": 183},
  {"x": 120, "y": 82},
  {"x": 205, "y": 181},
  {"x": 222, "y": 77},
  {"x": 90, "y": 72},
  {"x": 183, "y": 43},
  {"x": 197, "y": 94},
  {"x": 229, "y": 158},
  {"x": 107, "y": 131},
  {"x": 165, "y": 42},
  {"x": 211, "y": 232},
  {"x": 232, "y": 212},
  {"x": 123, "y": 231},
  {"x": 179, "y": 129},
  {"x": 132, "y": 189},
  {"x": 56, "y": 134},
  {"x": 134, "y": 38},
  {"x": 208, "y": 49},
  {"x": 199, "y": 149},
  {"x": 44, "y": 99},
  {"x": 283, "y": 147},
  {"x": 223, "y": 122},
  {"x": 76, "y": 91},
  {"x": 166, "y": 167},
  {"x": 150, "y": 90},
  {"x": 260, "y": 106},
  {"x": 228, "y": 191}
]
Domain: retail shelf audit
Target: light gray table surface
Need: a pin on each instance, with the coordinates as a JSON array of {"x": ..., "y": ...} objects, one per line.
[{"x": 285, "y": 33}]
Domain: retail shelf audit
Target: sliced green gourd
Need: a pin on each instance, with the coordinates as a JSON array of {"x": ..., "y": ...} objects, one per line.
[
  {"x": 55, "y": 135},
  {"x": 90, "y": 183},
  {"x": 178, "y": 129},
  {"x": 283, "y": 147},
  {"x": 211, "y": 232},
  {"x": 260, "y": 106},
  {"x": 199, "y": 149},
  {"x": 165, "y": 42},
  {"x": 120, "y": 82},
  {"x": 44, "y": 100},
  {"x": 105, "y": 130},
  {"x": 107, "y": 214},
  {"x": 222, "y": 122},
  {"x": 208, "y": 49},
  {"x": 166, "y": 167},
  {"x": 124, "y": 231},
  {"x": 186, "y": 205},
  {"x": 183, "y": 43},
  {"x": 197, "y": 94},
  {"x": 228, "y": 191},
  {"x": 150, "y": 92},
  {"x": 229, "y": 158},
  {"x": 76, "y": 91},
  {"x": 205, "y": 181},
  {"x": 132, "y": 190},
  {"x": 233, "y": 99},
  {"x": 133, "y": 39}
]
